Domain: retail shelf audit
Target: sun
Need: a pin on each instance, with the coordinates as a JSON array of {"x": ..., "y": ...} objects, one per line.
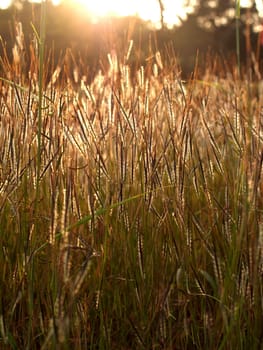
[
  {"x": 120, "y": 8},
  {"x": 148, "y": 10},
  {"x": 4, "y": 4}
]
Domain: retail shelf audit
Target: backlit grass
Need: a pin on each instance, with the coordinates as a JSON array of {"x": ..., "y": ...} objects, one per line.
[{"x": 147, "y": 230}]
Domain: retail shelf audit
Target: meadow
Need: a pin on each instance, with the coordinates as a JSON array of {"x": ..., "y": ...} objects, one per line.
[{"x": 131, "y": 206}]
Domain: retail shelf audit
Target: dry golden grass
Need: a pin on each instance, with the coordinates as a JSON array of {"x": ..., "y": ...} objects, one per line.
[{"x": 146, "y": 229}]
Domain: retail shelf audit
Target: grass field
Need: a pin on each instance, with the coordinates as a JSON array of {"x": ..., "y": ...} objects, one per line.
[{"x": 130, "y": 208}]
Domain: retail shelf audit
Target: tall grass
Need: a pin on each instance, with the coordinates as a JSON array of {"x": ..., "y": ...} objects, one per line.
[
  {"x": 148, "y": 229},
  {"x": 238, "y": 36},
  {"x": 41, "y": 57}
]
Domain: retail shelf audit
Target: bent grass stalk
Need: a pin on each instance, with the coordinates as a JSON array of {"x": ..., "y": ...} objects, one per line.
[{"x": 87, "y": 218}]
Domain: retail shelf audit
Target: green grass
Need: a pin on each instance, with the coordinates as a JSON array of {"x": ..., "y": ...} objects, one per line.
[{"x": 146, "y": 230}]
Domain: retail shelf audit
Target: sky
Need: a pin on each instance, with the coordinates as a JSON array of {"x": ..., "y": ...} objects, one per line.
[{"x": 145, "y": 9}]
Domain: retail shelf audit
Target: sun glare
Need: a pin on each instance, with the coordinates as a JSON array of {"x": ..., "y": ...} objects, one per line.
[
  {"x": 147, "y": 10},
  {"x": 4, "y": 4}
]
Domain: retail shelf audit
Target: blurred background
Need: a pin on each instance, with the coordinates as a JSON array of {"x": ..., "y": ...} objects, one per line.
[{"x": 87, "y": 31}]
